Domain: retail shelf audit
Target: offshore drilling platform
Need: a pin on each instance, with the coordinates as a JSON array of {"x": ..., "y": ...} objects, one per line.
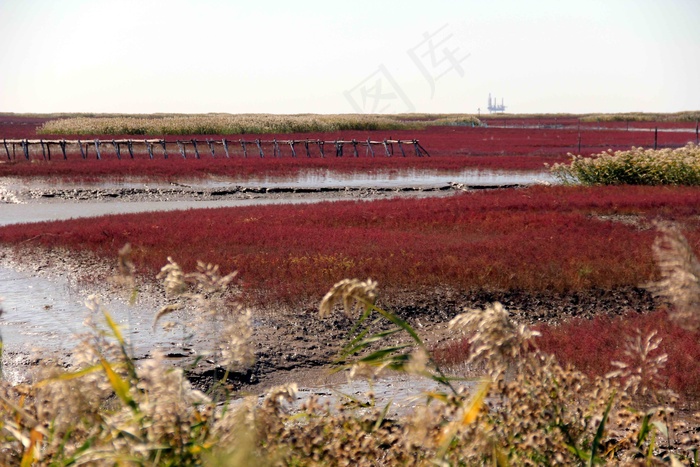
[{"x": 494, "y": 106}]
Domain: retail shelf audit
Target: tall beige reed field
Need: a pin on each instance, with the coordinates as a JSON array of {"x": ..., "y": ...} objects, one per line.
[{"x": 227, "y": 124}]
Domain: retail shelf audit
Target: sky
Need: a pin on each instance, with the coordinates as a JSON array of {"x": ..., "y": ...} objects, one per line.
[{"x": 365, "y": 56}]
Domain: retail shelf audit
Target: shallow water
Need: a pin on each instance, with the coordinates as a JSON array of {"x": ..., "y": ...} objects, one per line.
[
  {"x": 397, "y": 179},
  {"x": 402, "y": 393},
  {"x": 49, "y": 313},
  {"x": 323, "y": 179},
  {"x": 37, "y": 212}
]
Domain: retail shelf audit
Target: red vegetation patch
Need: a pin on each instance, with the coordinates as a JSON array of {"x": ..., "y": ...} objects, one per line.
[
  {"x": 592, "y": 345},
  {"x": 14, "y": 126},
  {"x": 176, "y": 168},
  {"x": 454, "y": 353},
  {"x": 541, "y": 238}
]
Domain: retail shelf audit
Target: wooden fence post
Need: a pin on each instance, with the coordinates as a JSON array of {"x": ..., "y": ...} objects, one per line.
[
  {"x": 275, "y": 148},
  {"x": 225, "y": 143},
  {"x": 63, "y": 149},
  {"x": 182, "y": 149},
  {"x": 245, "y": 151},
  {"x": 416, "y": 148},
  {"x": 656, "y": 137},
  {"x": 306, "y": 146},
  {"x": 354, "y": 147},
  {"x": 211, "y": 148},
  {"x": 260, "y": 149},
  {"x": 149, "y": 146},
  {"x": 291, "y": 146},
  {"x": 369, "y": 146},
  {"x": 165, "y": 149},
  {"x": 43, "y": 149},
  {"x": 320, "y": 148},
  {"x": 386, "y": 148},
  {"x": 425, "y": 153},
  {"x": 48, "y": 150},
  {"x": 117, "y": 150},
  {"x": 25, "y": 147},
  {"x": 196, "y": 151},
  {"x": 7, "y": 150},
  {"x": 82, "y": 153},
  {"x": 401, "y": 148},
  {"x": 130, "y": 147},
  {"x": 97, "y": 149},
  {"x": 579, "y": 143}
]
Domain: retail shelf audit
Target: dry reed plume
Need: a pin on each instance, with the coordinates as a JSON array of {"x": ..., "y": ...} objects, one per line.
[{"x": 680, "y": 276}]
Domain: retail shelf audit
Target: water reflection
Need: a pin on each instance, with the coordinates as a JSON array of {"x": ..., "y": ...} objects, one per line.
[
  {"x": 42, "y": 313},
  {"x": 399, "y": 178},
  {"x": 23, "y": 213},
  {"x": 418, "y": 179},
  {"x": 319, "y": 179}
]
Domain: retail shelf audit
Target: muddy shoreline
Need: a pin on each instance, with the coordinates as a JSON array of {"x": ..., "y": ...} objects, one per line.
[
  {"x": 184, "y": 192},
  {"x": 295, "y": 344}
]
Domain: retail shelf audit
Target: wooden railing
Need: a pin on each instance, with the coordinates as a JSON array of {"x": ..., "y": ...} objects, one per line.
[{"x": 29, "y": 148}]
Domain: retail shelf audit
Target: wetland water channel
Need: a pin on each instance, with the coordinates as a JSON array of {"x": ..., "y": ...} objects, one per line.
[
  {"x": 44, "y": 310},
  {"x": 37, "y": 201}
]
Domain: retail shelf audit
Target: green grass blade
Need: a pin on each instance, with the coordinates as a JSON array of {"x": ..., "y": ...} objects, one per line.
[
  {"x": 116, "y": 332},
  {"x": 382, "y": 416},
  {"x": 120, "y": 386},
  {"x": 599, "y": 433},
  {"x": 370, "y": 340}
]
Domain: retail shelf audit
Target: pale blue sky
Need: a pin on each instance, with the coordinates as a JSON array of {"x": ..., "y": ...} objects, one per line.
[{"x": 277, "y": 56}]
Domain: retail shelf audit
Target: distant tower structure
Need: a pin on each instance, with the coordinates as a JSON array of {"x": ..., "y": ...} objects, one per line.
[{"x": 494, "y": 106}]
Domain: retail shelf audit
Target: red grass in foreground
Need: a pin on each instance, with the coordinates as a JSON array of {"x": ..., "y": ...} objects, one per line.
[
  {"x": 592, "y": 345},
  {"x": 540, "y": 238}
]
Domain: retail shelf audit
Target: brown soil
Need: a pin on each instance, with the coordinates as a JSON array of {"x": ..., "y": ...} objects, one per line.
[{"x": 296, "y": 340}]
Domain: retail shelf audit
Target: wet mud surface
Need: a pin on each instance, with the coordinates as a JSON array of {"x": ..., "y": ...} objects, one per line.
[
  {"x": 205, "y": 194},
  {"x": 294, "y": 344}
]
